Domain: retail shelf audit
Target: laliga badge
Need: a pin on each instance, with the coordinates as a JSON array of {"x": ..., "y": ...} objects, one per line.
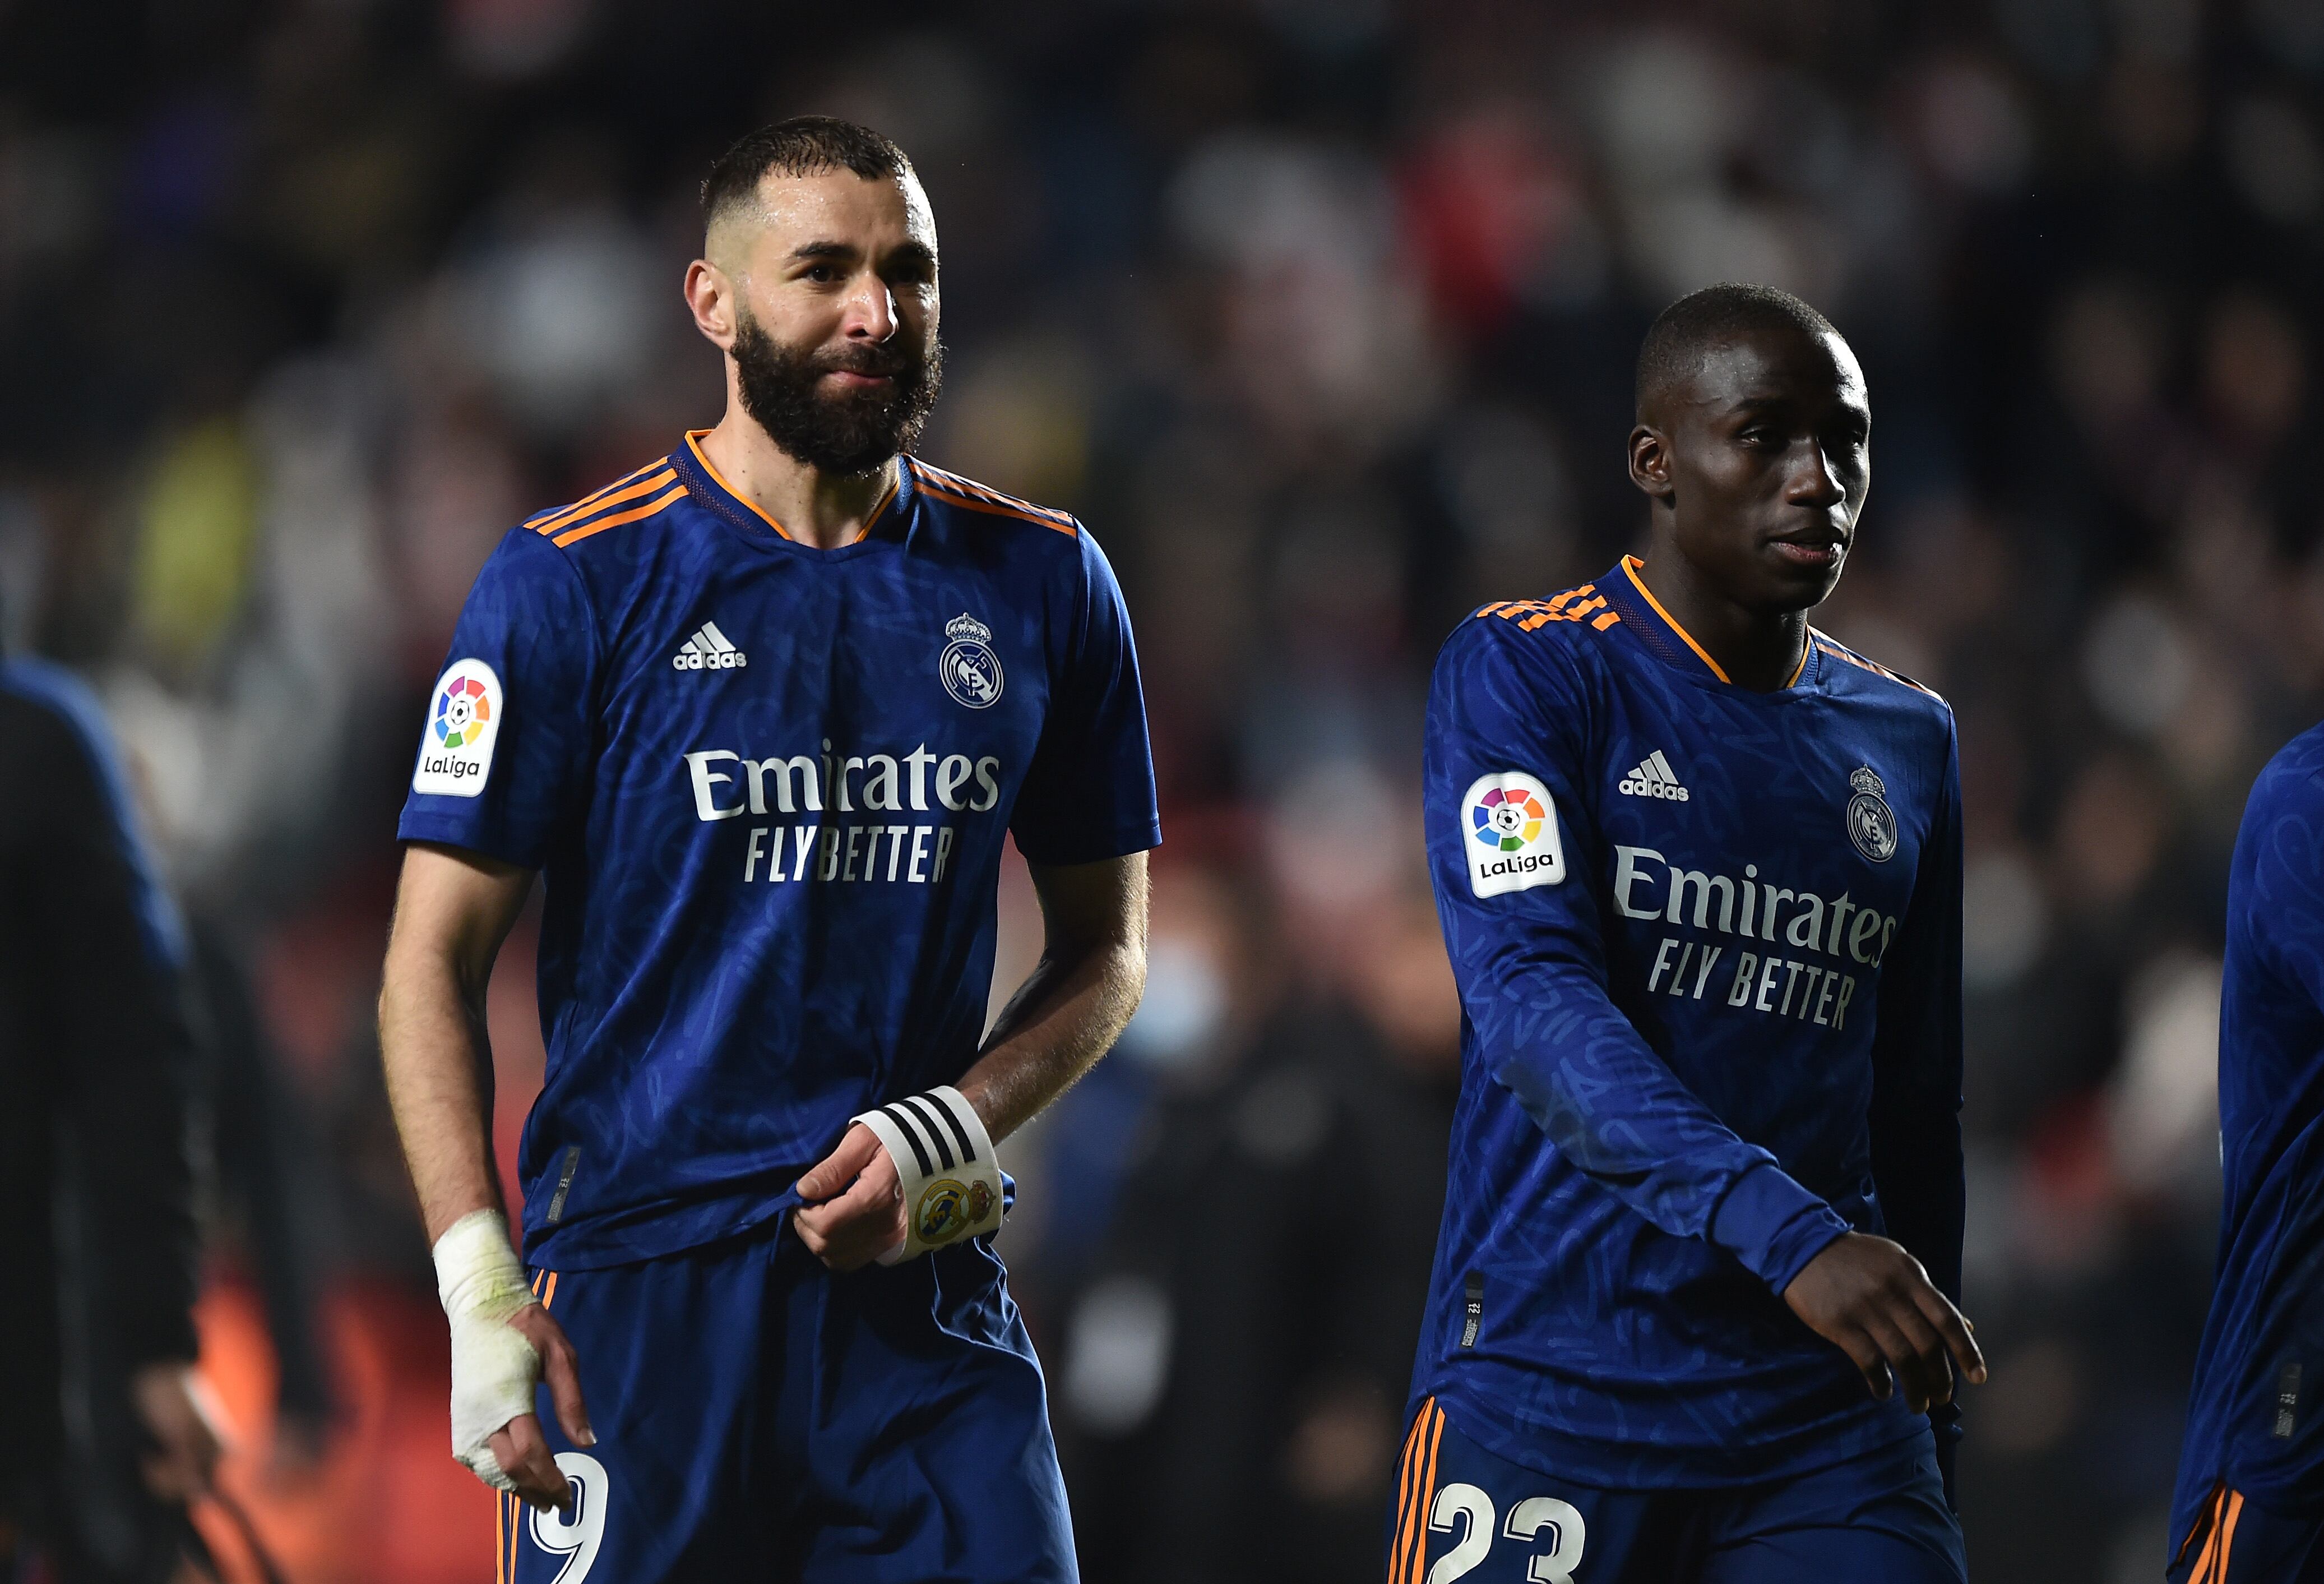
[
  {"x": 456, "y": 752},
  {"x": 1511, "y": 838}
]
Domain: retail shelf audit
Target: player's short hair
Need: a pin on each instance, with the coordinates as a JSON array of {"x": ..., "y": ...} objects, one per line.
[
  {"x": 804, "y": 145},
  {"x": 1699, "y": 321}
]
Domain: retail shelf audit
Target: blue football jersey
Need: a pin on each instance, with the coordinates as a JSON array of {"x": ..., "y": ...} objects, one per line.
[
  {"x": 768, "y": 787},
  {"x": 1708, "y": 943},
  {"x": 2253, "y": 1422}
]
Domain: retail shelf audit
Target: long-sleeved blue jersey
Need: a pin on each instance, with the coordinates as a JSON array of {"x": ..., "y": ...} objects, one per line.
[
  {"x": 767, "y": 785},
  {"x": 1708, "y": 942},
  {"x": 2253, "y": 1422}
]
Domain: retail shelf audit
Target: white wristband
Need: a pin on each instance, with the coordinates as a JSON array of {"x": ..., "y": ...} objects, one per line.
[
  {"x": 946, "y": 1161},
  {"x": 494, "y": 1367}
]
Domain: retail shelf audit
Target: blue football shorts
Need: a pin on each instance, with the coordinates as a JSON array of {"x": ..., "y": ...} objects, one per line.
[
  {"x": 759, "y": 1416},
  {"x": 2237, "y": 1541},
  {"x": 1462, "y": 1512}
]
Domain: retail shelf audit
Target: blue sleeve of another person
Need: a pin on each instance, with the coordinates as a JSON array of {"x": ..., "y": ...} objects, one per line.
[
  {"x": 1089, "y": 794},
  {"x": 518, "y": 686},
  {"x": 2284, "y": 921},
  {"x": 1532, "y": 976}
]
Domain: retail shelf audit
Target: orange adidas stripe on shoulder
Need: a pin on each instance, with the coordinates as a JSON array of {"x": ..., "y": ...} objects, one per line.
[
  {"x": 605, "y": 501},
  {"x": 954, "y": 490},
  {"x": 595, "y": 496},
  {"x": 574, "y": 535},
  {"x": 1838, "y": 651},
  {"x": 1575, "y": 605}
]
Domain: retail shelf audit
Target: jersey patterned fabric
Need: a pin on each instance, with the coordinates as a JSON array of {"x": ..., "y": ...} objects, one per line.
[
  {"x": 768, "y": 787},
  {"x": 1708, "y": 943},
  {"x": 2254, "y": 1431}
]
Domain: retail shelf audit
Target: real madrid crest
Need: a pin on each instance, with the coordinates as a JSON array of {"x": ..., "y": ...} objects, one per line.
[
  {"x": 1871, "y": 824},
  {"x": 968, "y": 668}
]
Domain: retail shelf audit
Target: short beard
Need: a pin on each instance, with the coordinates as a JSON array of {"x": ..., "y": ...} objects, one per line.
[{"x": 847, "y": 436}]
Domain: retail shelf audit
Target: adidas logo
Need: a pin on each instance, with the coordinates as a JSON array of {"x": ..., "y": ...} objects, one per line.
[
  {"x": 709, "y": 650},
  {"x": 1654, "y": 778}
]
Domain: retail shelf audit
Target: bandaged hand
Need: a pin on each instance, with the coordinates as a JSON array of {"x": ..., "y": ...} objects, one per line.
[{"x": 503, "y": 1343}]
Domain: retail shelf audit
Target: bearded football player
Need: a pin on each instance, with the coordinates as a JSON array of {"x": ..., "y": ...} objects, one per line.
[
  {"x": 761, "y": 715},
  {"x": 1692, "y": 1316}
]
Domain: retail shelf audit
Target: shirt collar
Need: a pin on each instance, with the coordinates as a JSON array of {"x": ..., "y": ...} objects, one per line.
[
  {"x": 1661, "y": 632},
  {"x": 742, "y": 510}
]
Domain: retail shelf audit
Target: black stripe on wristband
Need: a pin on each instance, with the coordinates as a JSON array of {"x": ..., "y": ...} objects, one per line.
[
  {"x": 904, "y": 1124},
  {"x": 921, "y": 1134},
  {"x": 926, "y": 1113},
  {"x": 952, "y": 1120}
]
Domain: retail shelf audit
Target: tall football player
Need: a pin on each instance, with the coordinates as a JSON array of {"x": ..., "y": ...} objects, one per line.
[
  {"x": 1699, "y": 870},
  {"x": 2250, "y": 1503},
  {"x": 762, "y": 713}
]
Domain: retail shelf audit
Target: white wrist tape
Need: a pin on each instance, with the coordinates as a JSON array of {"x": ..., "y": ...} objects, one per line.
[
  {"x": 947, "y": 1165},
  {"x": 493, "y": 1368}
]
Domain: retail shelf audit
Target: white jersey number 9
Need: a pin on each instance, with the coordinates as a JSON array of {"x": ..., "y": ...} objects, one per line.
[{"x": 576, "y": 1533}]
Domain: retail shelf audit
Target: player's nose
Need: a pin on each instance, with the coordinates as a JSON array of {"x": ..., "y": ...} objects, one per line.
[
  {"x": 872, "y": 310},
  {"x": 1814, "y": 479}
]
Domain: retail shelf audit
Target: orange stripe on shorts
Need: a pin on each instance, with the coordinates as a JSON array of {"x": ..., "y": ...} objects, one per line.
[
  {"x": 1420, "y": 1509},
  {"x": 1407, "y": 1470}
]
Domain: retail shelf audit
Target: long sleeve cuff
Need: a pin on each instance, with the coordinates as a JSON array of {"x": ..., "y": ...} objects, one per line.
[{"x": 1773, "y": 1225}]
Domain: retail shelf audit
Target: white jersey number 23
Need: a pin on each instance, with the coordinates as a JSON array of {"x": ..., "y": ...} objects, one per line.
[{"x": 1526, "y": 1521}]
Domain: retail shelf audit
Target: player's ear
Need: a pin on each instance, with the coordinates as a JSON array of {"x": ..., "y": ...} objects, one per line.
[
  {"x": 710, "y": 296},
  {"x": 1650, "y": 461}
]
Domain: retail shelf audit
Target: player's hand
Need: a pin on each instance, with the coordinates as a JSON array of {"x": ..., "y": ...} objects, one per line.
[
  {"x": 185, "y": 1443},
  {"x": 519, "y": 1445},
  {"x": 1870, "y": 1298},
  {"x": 849, "y": 1231}
]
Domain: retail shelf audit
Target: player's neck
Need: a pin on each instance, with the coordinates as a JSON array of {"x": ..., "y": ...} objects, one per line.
[
  {"x": 813, "y": 506},
  {"x": 1757, "y": 650}
]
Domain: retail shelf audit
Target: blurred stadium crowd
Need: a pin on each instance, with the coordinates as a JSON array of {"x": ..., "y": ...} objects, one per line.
[{"x": 1321, "y": 313}]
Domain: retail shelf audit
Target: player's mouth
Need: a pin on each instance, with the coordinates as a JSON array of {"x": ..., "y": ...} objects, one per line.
[
  {"x": 851, "y": 379},
  {"x": 1814, "y": 548}
]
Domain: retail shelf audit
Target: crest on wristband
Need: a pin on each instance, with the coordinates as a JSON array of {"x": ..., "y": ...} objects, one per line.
[{"x": 942, "y": 1213}]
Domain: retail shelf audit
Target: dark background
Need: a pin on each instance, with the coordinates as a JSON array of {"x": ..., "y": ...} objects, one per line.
[{"x": 1321, "y": 313}]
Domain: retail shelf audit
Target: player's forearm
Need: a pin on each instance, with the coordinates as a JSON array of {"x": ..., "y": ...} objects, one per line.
[
  {"x": 1618, "y": 1114},
  {"x": 1065, "y": 1015},
  {"x": 440, "y": 1083}
]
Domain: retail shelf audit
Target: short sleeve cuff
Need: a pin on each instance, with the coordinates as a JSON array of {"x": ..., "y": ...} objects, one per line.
[
  {"x": 420, "y": 826},
  {"x": 1119, "y": 843},
  {"x": 1773, "y": 1225}
]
